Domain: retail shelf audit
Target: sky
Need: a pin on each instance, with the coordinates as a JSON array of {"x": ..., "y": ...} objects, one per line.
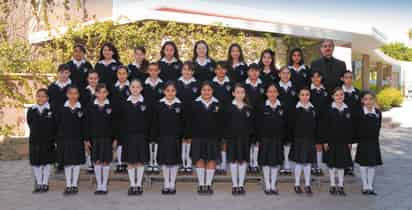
[{"x": 393, "y": 18}]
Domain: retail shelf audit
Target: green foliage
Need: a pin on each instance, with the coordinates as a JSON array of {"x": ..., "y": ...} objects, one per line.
[
  {"x": 398, "y": 51},
  {"x": 389, "y": 97},
  {"x": 6, "y": 130}
]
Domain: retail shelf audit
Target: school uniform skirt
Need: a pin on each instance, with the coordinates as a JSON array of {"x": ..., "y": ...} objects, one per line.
[
  {"x": 238, "y": 149},
  {"x": 204, "y": 149},
  {"x": 70, "y": 152},
  {"x": 303, "y": 151},
  {"x": 102, "y": 149},
  {"x": 42, "y": 153},
  {"x": 134, "y": 149},
  {"x": 338, "y": 156},
  {"x": 368, "y": 153},
  {"x": 270, "y": 152},
  {"x": 168, "y": 153}
]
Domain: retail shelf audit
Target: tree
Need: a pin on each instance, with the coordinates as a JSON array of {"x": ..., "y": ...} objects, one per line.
[{"x": 398, "y": 51}]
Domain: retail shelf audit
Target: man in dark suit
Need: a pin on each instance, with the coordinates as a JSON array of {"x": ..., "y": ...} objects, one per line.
[{"x": 331, "y": 68}]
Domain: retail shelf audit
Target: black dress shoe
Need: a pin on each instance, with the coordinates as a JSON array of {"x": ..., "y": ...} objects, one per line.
[
  {"x": 165, "y": 191},
  {"x": 234, "y": 191},
  {"x": 37, "y": 189},
  {"x": 372, "y": 192},
  {"x": 242, "y": 191},
  {"x": 74, "y": 190},
  {"x": 349, "y": 172},
  {"x": 332, "y": 190},
  {"x": 199, "y": 189},
  {"x": 341, "y": 191},
  {"x": 209, "y": 190},
  {"x": 97, "y": 192},
  {"x": 131, "y": 191},
  {"x": 139, "y": 190},
  {"x": 172, "y": 191},
  {"x": 274, "y": 192},
  {"x": 365, "y": 192},
  {"x": 67, "y": 191},
  {"x": 298, "y": 189},
  {"x": 320, "y": 172},
  {"x": 45, "y": 188},
  {"x": 267, "y": 192},
  {"x": 308, "y": 190}
]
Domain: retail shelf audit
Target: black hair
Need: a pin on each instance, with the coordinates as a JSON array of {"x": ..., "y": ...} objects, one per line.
[
  {"x": 246, "y": 99},
  {"x": 175, "y": 54},
  {"x": 229, "y": 57},
  {"x": 42, "y": 90},
  {"x": 302, "y": 61},
  {"x": 154, "y": 64},
  {"x": 81, "y": 47},
  {"x": 195, "y": 47},
  {"x": 63, "y": 67},
  {"x": 368, "y": 92},
  {"x": 271, "y": 84},
  {"x": 135, "y": 80},
  {"x": 73, "y": 86},
  {"x": 253, "y": 66},
  {"x": 92, "y": 72},
  {"x": 347, "y": 72},
  {"x": 336, "y": 89},
  {"x": 115, "y": 55},
  {"x": 122, "y": 67},
  {"x": 222, "y": 64},
  {"x": 101, "y": 86},
  {"x": 140, "y": 48},
  {"x": 170, "y": 83},
  {"x": 207, "y": 83},
  {"x": 284, "y": 68},
  {"x": 189, "y": 64},
  {"x": 272, "y": 55},
  {"x": 319, "y": 73},
  {"x": 144, "y": 63},
  {"x": 304, "y": 89}
]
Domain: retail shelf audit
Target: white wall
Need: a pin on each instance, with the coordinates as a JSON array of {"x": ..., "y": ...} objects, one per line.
[{"x": 344, "y": 54}]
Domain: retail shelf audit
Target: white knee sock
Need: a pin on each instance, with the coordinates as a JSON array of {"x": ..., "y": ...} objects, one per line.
[
  {"x": 68, "y": 172},
  {"x": 251, "y": 155},
  {"x": 201, "y": 176},
  {"x": 318, "y": 159},
  {"x": 274, "y": 177},
  {"x": 155, "y": 147},
  {"x": 364, "y": 177},
  {"x": 332, "y": 176},
  {"x": 139, "y": 173},
  {"x": 37, "y": 174},
  {"x": 166, "y": 177},
  {"x": 173, "y": 174},
  {"x": 209, "y": 176},
  {"x": 341, "y": 174},
  {"x": 88, "y": 159},
  {"x": 46, "y": 174},
  {"x": 76, "y": 173},
  {"x": 132, "y": 176},
  {"x": 98, "y": 174},
  {"x": 306, "y": 172},
  {"x": 106, "y": 172},
  {"x": 298, "y": 173},
  {"x": 286, "y": 163},
  {"x": 184, "y": 156},
  {"x": 242, "y": 174},
  {"x": 371, "y": 176},
  {"x": 255, "y": 155},
  {"x": 188, "y": 159},
  {"x": 119, "y": 154},
  {"x": 266, "y": 176},
  {"x": 151, "y": 159},
  {"x": 224, "y": 160},
  {"x": 234, "y": 173}
]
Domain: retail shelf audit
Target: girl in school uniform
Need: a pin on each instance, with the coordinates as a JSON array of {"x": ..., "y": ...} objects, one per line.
[
  {"x": 340, "y": 132},
  {"x": 137, "y": 69},
  {"x": 237, "y": 71},
  {"x": 188, "y": 89},
  {"x": 57, "y": 90},
  {"x": 119, "y": 94},
  {"x": 239, "y": 126},
  {"x": 108, "y": 63},
  {"x": 205, "y": 129},
  {"x": 100, "y": 136},
  {"x": 256, "y": 94},
  {"x": 204, "y": 66},
  {"x": 302, "y": 127},
  {"x": 79, "y": 66},
  {"x": 70, "y": 139},
  {"x": 271, "y": 123},
  {"x": 268, "y": 72},
  {"x": 135, "y": 120},
  {"x": 41, "y": 121},
  {"x": 299, "y": 71},
  {"x": 87, "y": 96},
  {"x": 222, "y": 87},
  {"x": 368, "y": 154},
  {"x": 152, "y": 92},
  {"x": 353, "y": 100},
  {"x": 288, "y": 97},
  {"x": 169, "y": 63},
  {"x": 319, "y": 97},
  {"x": 168, "y": 127}
]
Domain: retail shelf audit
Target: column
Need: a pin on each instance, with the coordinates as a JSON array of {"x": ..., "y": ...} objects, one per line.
[
  {"x": 365, "y": 71},
  {"x": 379, "y": 76}
]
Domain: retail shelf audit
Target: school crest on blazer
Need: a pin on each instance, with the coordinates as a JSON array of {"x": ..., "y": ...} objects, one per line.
[
  {"x": 280, "y": 111},
  {"x": 293, "y": 93},
  {"x": 216, "y": 109},
  {"x": 108, "y": 110},
  {"x": 79, "y": 114},
  {"x": 113, "y": 68},
  {"x": 194, "y": 89},
  {"x": 261, "y": 90},
  {"x": 159, "y": 90},
  {"x": 85, "y": 69},
  {"x": 228, "y": 87},
  {"x": 176, "y": 66},
  {"x": 211, "y": 68},
  {"x": 325, "y": 93},
  {"x": 177, "y": 110},
  {"x": 49, "y": 114},
  {"x": 347, "y": 115},
  {"x": 247, "y": 112},
  {"x": 142, "y": 107}
]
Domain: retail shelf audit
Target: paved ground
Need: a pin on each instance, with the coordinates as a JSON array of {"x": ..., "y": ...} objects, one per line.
[{"x": 393, "y": 184}]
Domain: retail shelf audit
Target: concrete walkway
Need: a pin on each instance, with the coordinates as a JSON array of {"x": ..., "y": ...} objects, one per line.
[
  {"x": 401, "y": 114},
  {"x": 393, "y": 183}
]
